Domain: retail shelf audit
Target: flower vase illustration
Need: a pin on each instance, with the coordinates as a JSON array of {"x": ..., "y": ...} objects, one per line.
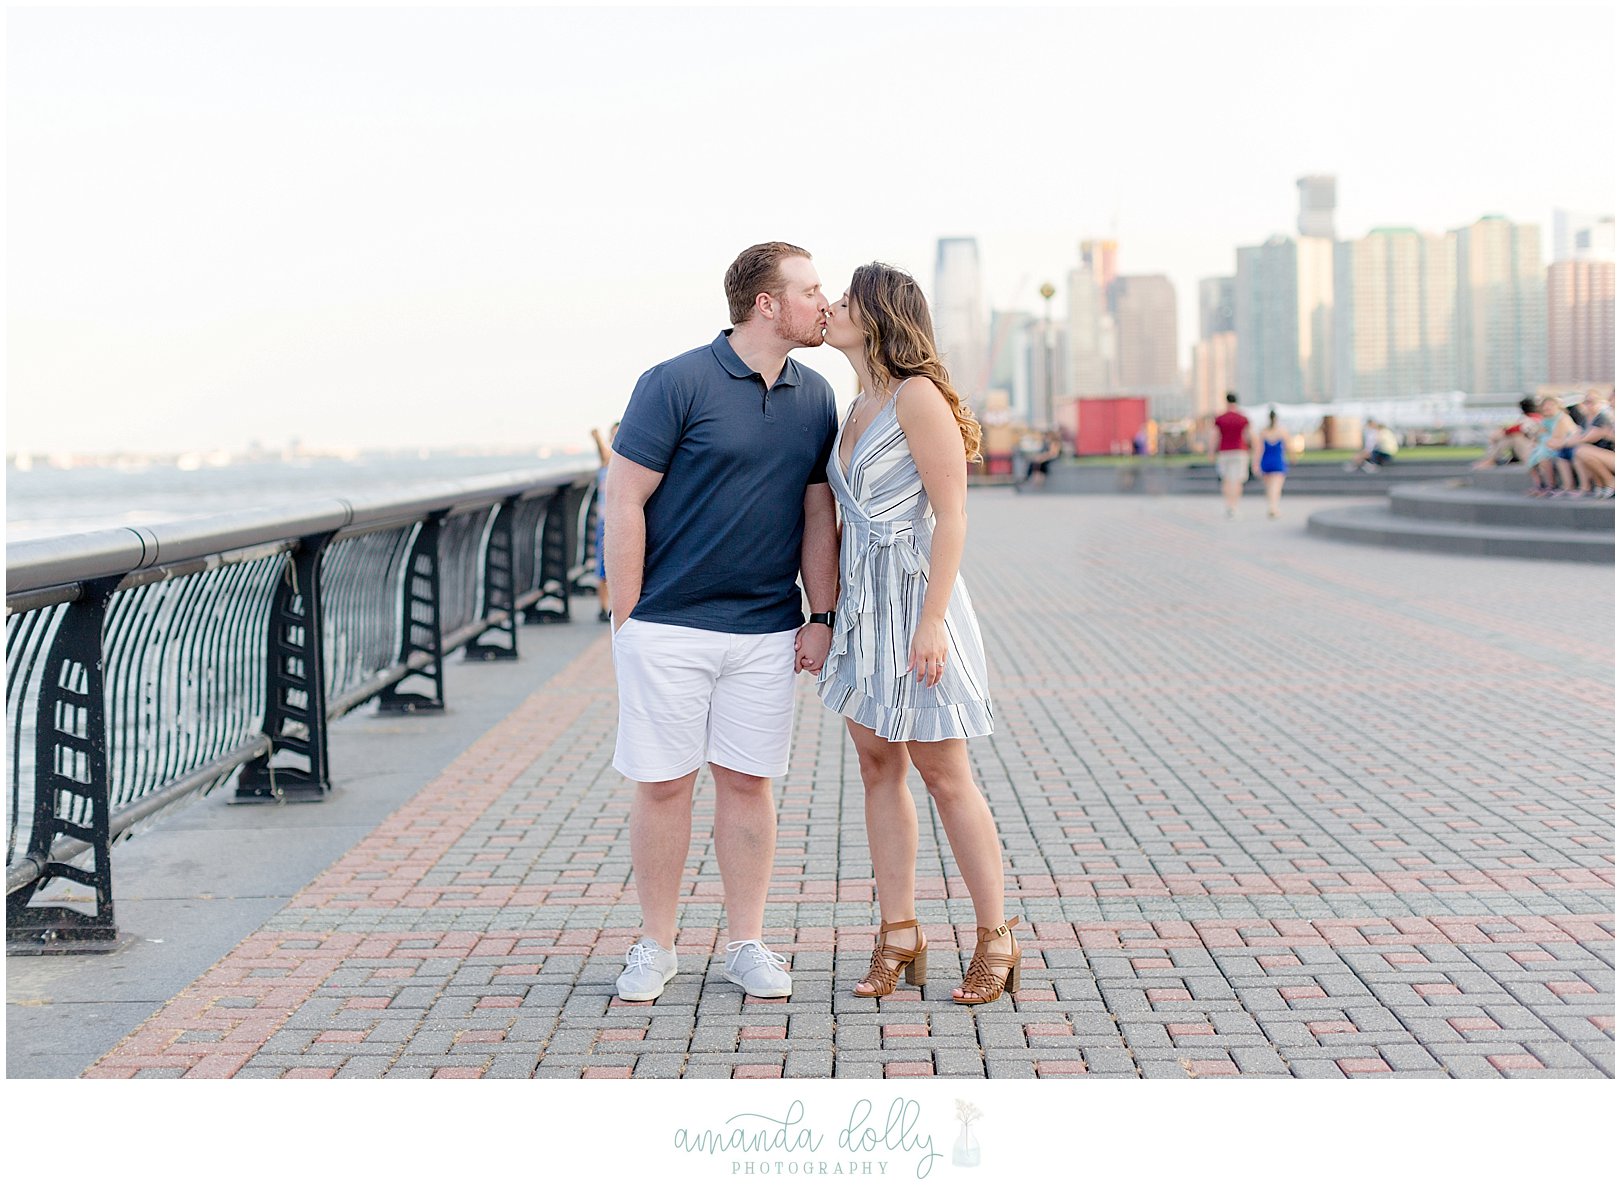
[{"x": 965, "y": 1152}]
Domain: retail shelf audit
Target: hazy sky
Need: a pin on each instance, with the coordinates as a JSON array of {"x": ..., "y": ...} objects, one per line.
[{"x": 385, "y": 227}]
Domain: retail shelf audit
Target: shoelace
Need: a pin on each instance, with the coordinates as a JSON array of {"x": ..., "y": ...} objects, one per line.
[
  {"x": 762, "y": 955},
  {"x": 640, "y": 957}
]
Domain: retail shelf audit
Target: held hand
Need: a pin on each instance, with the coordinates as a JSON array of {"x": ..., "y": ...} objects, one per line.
[
  {"x": 930, "y": 646},
  {"x": 811, "y": 643}
]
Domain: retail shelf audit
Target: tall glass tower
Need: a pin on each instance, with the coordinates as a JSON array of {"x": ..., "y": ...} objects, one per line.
[
  {"x": 960, "y": 321},
  {"x": 1316, "y": 205}
]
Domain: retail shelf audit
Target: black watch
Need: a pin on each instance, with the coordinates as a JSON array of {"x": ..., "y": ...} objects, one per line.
[{"x": 823, "y": 617}]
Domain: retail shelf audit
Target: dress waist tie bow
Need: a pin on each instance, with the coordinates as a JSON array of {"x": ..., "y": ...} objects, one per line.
[{"x": 862, "y": 539}]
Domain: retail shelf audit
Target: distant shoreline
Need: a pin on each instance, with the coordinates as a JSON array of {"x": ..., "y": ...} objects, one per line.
[{"x": 48, "y": 501}]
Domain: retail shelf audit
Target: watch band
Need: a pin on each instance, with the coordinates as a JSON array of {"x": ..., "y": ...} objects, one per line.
[{"x": 823, "y": 617}]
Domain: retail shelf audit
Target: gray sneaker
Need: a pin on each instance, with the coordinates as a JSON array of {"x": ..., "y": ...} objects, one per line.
[
  {"x": 758, "y": 971},
  {"x": 648, "y": 966}
]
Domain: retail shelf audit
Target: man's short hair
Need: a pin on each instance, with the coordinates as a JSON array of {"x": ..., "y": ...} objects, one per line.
[
  {"x": 1232, "y": 398},
  {"x": 757, "y": 270}
]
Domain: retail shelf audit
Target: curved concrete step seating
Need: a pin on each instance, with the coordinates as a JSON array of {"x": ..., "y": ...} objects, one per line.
[
  {"x": 1153, "y": 476},
  {"x": 1326, "y": 478},
  {"x": 1486, "y": 514}
]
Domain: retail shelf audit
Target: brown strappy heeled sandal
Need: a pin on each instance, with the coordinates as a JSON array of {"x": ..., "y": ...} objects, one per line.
[
  {"x": 981, "y": 984},
  {"x": 881, "y": 976}
]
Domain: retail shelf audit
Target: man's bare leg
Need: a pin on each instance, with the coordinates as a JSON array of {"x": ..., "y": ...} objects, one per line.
[
  {"x": 660, "y": 835},
  {"x": 745, "y": 848}
]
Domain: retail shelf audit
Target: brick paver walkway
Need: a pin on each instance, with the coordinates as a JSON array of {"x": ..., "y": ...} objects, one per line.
[{"x": 1272, "y": 806}]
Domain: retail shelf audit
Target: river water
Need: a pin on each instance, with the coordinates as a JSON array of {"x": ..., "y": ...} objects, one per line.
[{"x": 43, "y": 500}]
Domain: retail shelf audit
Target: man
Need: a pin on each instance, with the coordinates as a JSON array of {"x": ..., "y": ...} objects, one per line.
[
  {"x": 1379, "y": 446},
  {"x": 1230, "y": 448},
  {"x": 1511, "y": 443},
  {"x": 717, "y": 499}
]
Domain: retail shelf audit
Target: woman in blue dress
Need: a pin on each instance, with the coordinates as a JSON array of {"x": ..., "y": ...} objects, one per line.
[
  {"x": 1272, "y": 452},
  {"x": 907, "y": 666}
]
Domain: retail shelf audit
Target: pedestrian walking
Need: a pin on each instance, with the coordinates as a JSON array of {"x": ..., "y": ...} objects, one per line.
[
  {"x": 1272, "y": 461},
  {"x": 1230, "y": 450}
]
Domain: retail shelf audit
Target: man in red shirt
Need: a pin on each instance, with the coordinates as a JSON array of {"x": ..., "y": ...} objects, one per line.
[{"x": 1230, "y": 448}]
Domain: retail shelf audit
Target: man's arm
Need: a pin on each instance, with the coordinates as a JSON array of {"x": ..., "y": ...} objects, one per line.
[
  {"x": 819, "y": 573},
  {"x": 630, "y": 486}
]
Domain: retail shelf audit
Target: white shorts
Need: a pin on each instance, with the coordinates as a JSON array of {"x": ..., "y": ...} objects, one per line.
[
  {"x": 1233, "y": 465},
  {"x": 687, "y": 695}
]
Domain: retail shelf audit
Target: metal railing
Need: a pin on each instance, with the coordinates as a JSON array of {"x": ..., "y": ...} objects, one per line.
[{"x": 148, "y": 666}]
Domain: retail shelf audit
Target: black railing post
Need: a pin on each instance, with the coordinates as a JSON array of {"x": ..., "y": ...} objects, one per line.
[
  {"x": 500, "y": 590},
  {"x": 72, "y": 795},
  {"x": 420, "y": 630},
  {"x": 558, "y": 548},
  {"x": 585, "y": 577},
  {"x": 295, "y": 686}
]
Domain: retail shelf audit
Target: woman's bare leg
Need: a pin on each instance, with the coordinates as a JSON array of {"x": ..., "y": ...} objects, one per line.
[
  {"x": 891, "y": 830},
  {"x": 969, "y": 829}
]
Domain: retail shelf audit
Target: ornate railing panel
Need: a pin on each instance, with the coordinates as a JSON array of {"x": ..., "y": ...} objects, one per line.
[
  {"x": 29, "y": 635},
  {"x": 360, "y": 579},
  {"x": 149, "y": 666},
  {"x": 185, "y": 662}
]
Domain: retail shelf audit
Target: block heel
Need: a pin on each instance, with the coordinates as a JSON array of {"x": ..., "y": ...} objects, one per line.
[{"x": 881, "y": 975}]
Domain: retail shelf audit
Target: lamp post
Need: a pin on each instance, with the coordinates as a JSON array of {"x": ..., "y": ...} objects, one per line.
[{"x": 1049, "y": 396}]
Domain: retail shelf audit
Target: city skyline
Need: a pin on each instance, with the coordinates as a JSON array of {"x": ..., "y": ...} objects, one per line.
[{"x": 233, "y": 225}]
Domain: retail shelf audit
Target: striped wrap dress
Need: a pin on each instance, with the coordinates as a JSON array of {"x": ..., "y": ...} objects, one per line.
[{"x": 888, "y": 529}]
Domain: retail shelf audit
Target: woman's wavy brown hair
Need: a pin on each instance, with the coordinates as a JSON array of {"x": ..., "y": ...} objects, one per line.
[{"x": 900, "y": 340}]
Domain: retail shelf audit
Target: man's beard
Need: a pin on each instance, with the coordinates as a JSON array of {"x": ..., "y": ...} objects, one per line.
[{"x": 806, "y": 334}]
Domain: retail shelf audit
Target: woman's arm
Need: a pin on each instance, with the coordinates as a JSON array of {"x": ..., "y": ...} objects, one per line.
[{"x": 937, "y": 449}]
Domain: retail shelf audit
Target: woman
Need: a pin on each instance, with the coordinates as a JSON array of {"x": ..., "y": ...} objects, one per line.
[
  {"x": 906, "y": 666},
  {"x": 1271, "y": 454},
  {"x": 1593, "y": 448},
  {"x": 1549, "y": 460}
]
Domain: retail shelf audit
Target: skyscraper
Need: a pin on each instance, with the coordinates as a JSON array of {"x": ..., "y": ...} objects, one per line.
[
  {"x": 1091, "y": 329},
  {"x": 1314, "y": 313},
  {"x": 1578, "y": 236},
  {"x": 1283, "y": 314},
  {"x": 1501, "y": 324},
  {"x": 1266, "y": 305},
  {"x": 1215, "y": 306},
  {"x": 1214, "y": 373},
  {"x": 1145, "y": 336},
  {"x": 1581, "y": 321},
  {"x": 959, "y": 314},
  {"x": 1316, "y": 205},
  {"x": 1012, "y": 334},
  {"x": 1099, "y": 255},
  {"x": 1394, "y": 304},
  {"x": 1596, "y": 242}
]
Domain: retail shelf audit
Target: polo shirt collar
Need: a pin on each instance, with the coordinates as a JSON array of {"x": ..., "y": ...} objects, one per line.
[{"x": 733, "y": 362}]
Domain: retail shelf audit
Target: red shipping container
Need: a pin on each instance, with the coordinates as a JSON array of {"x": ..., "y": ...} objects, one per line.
[{"x": 1102, "y": 424}]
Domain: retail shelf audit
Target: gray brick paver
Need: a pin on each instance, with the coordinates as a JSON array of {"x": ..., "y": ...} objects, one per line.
[{"x": 1136, "y": 786}]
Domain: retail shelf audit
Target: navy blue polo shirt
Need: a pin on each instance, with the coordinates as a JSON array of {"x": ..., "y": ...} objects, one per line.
[{"x": 725, "y": 525}]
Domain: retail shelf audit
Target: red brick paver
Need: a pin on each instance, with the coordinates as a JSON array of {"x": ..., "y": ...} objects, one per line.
[{"x": 1216, "y": 881}]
